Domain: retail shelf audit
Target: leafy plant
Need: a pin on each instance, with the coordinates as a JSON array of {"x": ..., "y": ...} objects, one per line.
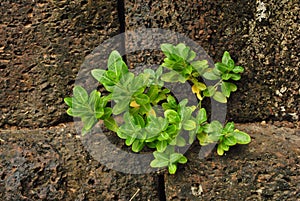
[{"x": 152, "y": 116}]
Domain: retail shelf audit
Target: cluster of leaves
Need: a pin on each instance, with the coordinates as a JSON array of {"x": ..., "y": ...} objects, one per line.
[
  {"x": 181, "y": 61},
  {"x": 152, "y": 116},
  {"x": 90, "y": 108}
]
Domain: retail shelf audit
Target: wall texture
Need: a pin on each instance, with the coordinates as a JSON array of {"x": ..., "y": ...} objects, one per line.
[
  {"x": 262, "y": 36},
  {"x": 42, "y": 46}
]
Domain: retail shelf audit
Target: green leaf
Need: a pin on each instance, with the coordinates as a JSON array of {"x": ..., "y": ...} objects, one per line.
[
  {"x": 200, "y": 66},
  {"x": 227, "y": 88},
  {"x": 233, "y": 87},
  {"x": 111, "y": 124},
  {"x": 161, "y": 156},
  {"x": 218, "y": 96},
  {"x": 80, "y": 94},
  {"x": 121, "y": 90},
  {"x": 192, "y": 136},
  {"x": 180, "y": 141},
  {"x": 169, "y": 62},
  {"x": 191, "y": 56},
  {"x": 161, "y": 146},
  {"x": 172, "y": 129},
  {"x": 182, "y": 50},
  {"x": 113, "y": 57},
  {"x": 175, "y": 157},
  {"x": 112, "y": 75},
  {"x": 156, "y": 163},
  {"x": 142, "y": 99},
  {"x": 230, "y": 64},
  {"x": 226, "y": 76},
  {"x": 187, "y": 71},
  {"x": 214, "y": 137},
  {"x": 230, "y": 140},
  {"x": 201, "y": 116},
  {"x": 172, "y": 168},
  {"x": 160, "y": 97},
  {"x": 182, "y": 160},
  {"x": 117, "y": 65},
  {"x": 156, "y": 125},
  {"x": 235, "y": 77},
  {"x": 107, "y": 82},
  {"x": 189, "y": 125},
  {"x": 201, "y": 86},
  {"x": 173, "y": 76},
  {"x": 145, "y": 108},
  {"x": 229, "y": 127},
  {"x": 226, "y": 57},
  {"x": 81, "y": 111},
  {"x": 164, "y": 136},
  {"x": 241, "y": 137},
  {"x": 224, "y": 146},
  {"x": 104, "y": 100},
  {"x": 70, "y": 112},
  {"x": 222, "y": 67},
  {"x": 98, "y": 74},
  {"x": 220, "y": 150},
  {"x": 203, "y": 139},
  {"x": 99, "y": 112},
  {"x": 128, "y": 118},
  {"x": 210, "y": 75},
  {"x": 168, "y": 49},
  {"x": 94, "y": 103},
  {"x": 140, "y": 81},
  {"x": 210, "y": 91},
  {"x": 94, "y": 98},
  {"x": 121, "y": 134},
  {"x": 238, "y": 69},
  {"x": 139, "y": 120},
  {"x": 121, "y": 106},
  {"x": 172, "y": 116},
  {"x": 159, "y": 71},
  {"x": 213, "y": 127},
  {"x": 107, "y": 113},
  {"x": 137, "y": 145},
  {"x": 89, "y": 122},
  {"x": 129, "y": 140},
  {"x": 68, "y": 101},
  {"x": 172, "y": 103},
  {"x": 153, "y": 92},
  {"x": 108, "y": 78},
  {"x": 200, "y": 129},
  {"x": 185, "y": 112}
]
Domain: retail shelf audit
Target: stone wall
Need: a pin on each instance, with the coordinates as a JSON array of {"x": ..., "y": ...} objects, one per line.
[
  {"x": 262, "y": 36},
  {"x": 53, "y": 164},
  {"x": 42, "y": 46}
]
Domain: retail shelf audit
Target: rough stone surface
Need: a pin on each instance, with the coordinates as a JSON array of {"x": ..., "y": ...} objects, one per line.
[
  {"x": 266, "y": 169},
  {"x": 42, "y": 45},
  {"x": 53, "y": 164},
  {"x": 263, "y": 36}
]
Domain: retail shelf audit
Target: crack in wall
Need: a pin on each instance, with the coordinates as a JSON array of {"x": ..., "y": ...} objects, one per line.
[
  {"x": 122, "y": 23},
  {"x": 161, "y": 188}
]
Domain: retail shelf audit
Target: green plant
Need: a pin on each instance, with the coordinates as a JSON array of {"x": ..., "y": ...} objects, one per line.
[{"x": 152, "y": 116}]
